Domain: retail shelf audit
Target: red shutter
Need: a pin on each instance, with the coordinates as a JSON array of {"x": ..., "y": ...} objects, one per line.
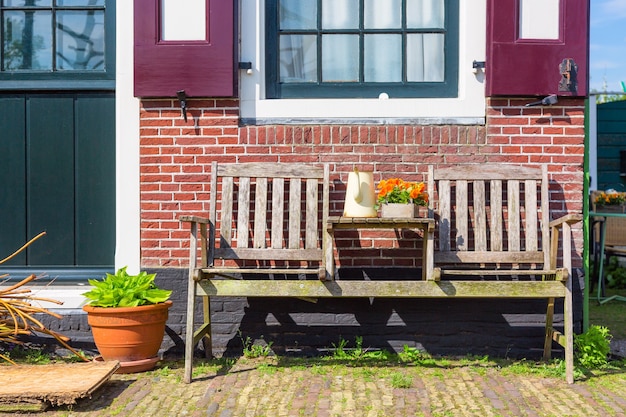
[
  {"x": 529, "y": 67},
  {"x": 201, "y": 68}
]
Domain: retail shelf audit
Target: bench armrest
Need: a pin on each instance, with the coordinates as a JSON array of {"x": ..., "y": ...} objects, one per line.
[
  {"x": 568, "y": 218},
  {"x": 194, "y": 219}
]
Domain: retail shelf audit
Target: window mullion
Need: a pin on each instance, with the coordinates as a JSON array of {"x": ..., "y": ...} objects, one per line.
[
  {"x": 319, "y": 42},
  {"x": 361, "y": 41},
  {"x": 54, "y": 36},
  {"x": 404, "y": 52}
]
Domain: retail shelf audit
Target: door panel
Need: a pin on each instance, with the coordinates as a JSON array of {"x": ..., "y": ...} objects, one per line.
[
  {"x": 59, "y": 159},
  {"x": 12, "y": 176},
  {"x": 95, "y": 186},
  {"x": 50, "y": 173}
]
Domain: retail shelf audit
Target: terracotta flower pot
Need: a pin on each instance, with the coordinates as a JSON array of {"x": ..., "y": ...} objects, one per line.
[{"x": 128, "y": 334}]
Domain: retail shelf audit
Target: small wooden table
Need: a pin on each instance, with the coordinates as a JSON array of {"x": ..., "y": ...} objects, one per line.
[{"x": 427, "y": 225}]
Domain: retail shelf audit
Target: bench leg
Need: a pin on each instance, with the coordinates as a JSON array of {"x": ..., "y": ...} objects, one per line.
[
  {"x": 568, "y": 322},
  {"x": 207, "y": 340},
  {"x": 189, "y": 329},
  {"x": 547, "y": 344},
  {"x": 191, "y": 302}
]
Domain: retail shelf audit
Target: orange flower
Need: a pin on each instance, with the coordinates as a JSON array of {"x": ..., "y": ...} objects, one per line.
[{"x": 396, "y": 190}]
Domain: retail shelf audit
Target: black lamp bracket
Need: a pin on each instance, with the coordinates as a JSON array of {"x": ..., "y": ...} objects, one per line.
[{"x": 182, "y": 97}]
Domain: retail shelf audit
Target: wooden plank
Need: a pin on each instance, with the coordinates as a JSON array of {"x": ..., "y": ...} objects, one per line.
[
  {"x": 488, "y": 257},
  {"x": 395, "y": 289},
  {"x": 497, "y": 272},
  {"x": 210, "y": 244},
  {"x": 278, "y": 212},
  {"x": 495, "y": 210},
  {"x": 226, "y": 218},
  {"x": 514, "y": 214},
  {"x": 268, "y": 254},
  {"x": 336, "y": 222},
  {"x": 462, "y": 221},
  {"x": 480, "y": 217},
  {"x": 444, "y": 215},
  {"x": 260, "y": 213},
  {"x": 485, "y": 172},
  {"x": 263, "y": 169},
  {"x": 231, "y": 273},
  {"x": 295, "y": 212},
  {"x": 545, "y": 218},
  {"x": 312, "y": 214},
  {"x": 243, "y": 212},
  {"x": 530, "y": 198}
]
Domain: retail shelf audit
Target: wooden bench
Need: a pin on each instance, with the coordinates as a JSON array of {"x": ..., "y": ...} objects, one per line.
[
  {"x": 268, "y": 234},
  {"x": 265, "y": 221},
  {"x": 495, "y": 239}
]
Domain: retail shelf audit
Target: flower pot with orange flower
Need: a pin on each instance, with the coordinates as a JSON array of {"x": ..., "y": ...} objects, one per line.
[{"x": 399, "y": 198}]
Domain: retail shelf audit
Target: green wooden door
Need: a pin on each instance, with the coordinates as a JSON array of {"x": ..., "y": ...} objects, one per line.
[
  {"x": 611, "y": 145},
  {"x": 57, "y": 173}
]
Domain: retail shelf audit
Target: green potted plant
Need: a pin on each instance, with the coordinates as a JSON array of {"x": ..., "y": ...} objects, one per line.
[{"x": 127, "y": 315}]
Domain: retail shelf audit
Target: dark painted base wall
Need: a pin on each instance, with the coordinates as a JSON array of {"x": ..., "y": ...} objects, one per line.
[{"x": 500, "y": 328}]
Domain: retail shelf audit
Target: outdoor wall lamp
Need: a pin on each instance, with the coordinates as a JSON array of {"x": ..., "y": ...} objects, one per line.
[
  {"x": 546, "y": 101},
  {"x": 182, "y": 97}
]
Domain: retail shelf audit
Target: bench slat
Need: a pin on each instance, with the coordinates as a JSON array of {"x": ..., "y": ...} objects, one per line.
[
  {"x": 243, "y": 212},
  {"x": 278, "y": 214},
  {"x": 282, "y": 254},
  {"x": 260, "y": 213},
  {"x": 466, "y": 257}
]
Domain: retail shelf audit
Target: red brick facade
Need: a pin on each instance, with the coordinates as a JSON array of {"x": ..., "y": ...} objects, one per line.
[{"x": 176, "y": 157}]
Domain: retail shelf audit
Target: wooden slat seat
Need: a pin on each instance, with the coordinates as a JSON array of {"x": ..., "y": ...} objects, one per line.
[
  {"x": 493, "y": 224},
  {"x": 265, "y": 220}
]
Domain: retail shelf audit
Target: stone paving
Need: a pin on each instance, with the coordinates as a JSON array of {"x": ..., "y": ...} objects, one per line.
[{"x": 265, "y": 388}]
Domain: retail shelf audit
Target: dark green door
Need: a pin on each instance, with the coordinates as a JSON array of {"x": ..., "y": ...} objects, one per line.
[
  {"x": 612, "y": 146},
  {"x": 57, "y": 136},
  {"x": 57, "y": 168}
]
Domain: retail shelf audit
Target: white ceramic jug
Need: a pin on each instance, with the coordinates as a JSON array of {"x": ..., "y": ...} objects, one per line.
[{"x": 360, "y": 195}]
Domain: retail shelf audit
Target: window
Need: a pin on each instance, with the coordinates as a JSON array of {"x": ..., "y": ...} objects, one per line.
[
  {"x": 59, "y": 40},
  {"x": 362, "y": 48}
]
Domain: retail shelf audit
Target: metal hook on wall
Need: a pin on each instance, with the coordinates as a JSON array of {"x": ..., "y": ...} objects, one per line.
[{"x": 182, "y": 97}]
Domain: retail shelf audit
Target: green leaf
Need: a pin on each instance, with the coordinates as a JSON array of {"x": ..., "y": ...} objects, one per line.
[{"x": 124, "y": 290}]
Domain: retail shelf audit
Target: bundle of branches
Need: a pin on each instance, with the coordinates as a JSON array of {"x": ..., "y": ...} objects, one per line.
[{"x": 17, "y": 312}]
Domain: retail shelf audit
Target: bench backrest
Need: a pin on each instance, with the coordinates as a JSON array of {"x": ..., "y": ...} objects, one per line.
[
  {"x": 263, "y": 213},
  {"x": 491, "y": 215}
]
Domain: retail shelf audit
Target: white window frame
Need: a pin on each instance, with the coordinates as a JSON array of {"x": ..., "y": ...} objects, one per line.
[{"x": 467, "y": 108}]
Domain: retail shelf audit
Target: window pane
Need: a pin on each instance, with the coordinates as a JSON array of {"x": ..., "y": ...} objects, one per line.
[
  {"x": 340, "y": 14},
  {"x": 20, "y": 3},
  {"x": 80, "y": 40},
  {"x": 191, "y": 12},
  {"x": 298, "y": 58},
  {"x": 340, "y": 58},
  {"x": 80, "y": 2},
  {"x": 383, "y": 58},
  {"x": 27, "y": 40},
  {"x": 425, "y": 57},
  {"x": 298, "y": 14},
  {"x": 425, "y": 13},
  {"x": 382, "y": 14}
]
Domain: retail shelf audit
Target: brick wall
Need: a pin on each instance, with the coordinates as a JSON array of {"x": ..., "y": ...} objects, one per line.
[{"x": 176, "y": 157}]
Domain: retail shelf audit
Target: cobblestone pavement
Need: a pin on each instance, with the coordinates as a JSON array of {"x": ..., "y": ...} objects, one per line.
[{"x": 315, "y": 388}]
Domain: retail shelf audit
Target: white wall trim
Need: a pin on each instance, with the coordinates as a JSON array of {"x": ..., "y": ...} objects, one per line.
[
  {"x": 469, "y": 105},
  {"x": 128, "y": 209}
]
